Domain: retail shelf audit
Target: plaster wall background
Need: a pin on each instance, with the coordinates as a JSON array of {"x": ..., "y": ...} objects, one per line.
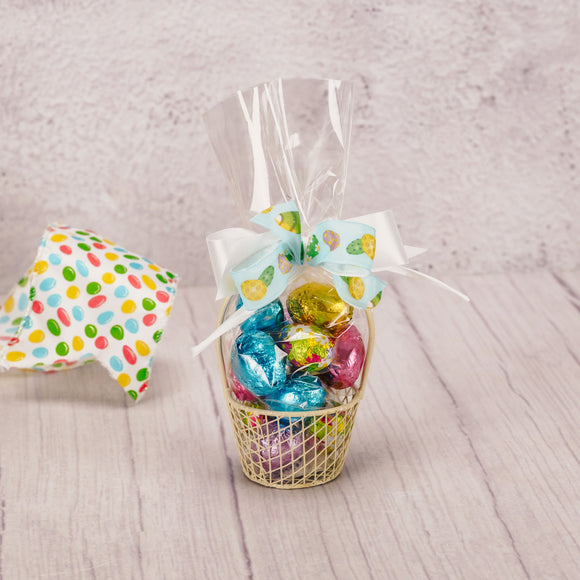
[{"x": 467, "y": 121}]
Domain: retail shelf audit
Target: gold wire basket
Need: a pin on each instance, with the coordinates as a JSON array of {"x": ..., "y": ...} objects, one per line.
[{"x": 291, "y": 450}]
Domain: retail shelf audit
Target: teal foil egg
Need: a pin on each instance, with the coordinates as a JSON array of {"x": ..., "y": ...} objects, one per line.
[
  {"x": 303, "y": 393},
  {"x": 258, "y": 363},
  {"x": 267, "y": 318}
]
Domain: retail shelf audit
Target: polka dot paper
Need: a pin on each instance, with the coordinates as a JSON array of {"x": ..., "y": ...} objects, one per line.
[{"x": 86, "y": 299}]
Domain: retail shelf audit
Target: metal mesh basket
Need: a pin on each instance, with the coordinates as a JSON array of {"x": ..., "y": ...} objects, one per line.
[{"x": 294, "y": 449}]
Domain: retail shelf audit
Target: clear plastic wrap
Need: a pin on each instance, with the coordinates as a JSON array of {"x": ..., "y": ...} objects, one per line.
[
  {"x": 335, "y": 358},
  {"x": 296, "y": 332},
  {"x": 286, "y": 140},
  {"x": 294, "y": 367}
]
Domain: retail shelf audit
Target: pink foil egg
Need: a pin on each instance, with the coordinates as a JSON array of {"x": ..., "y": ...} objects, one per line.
[
  {"x": 349, "y": 356},
  {"x": 240, "y": 392}
]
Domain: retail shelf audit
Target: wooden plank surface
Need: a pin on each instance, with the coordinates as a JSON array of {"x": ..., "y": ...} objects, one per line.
[{"x": 464, "y": 462}]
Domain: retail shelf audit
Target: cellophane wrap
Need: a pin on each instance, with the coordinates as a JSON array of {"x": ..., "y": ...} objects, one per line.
[
  {"x": 286, "y": 140},
  {"x": 294, "y": 371}
]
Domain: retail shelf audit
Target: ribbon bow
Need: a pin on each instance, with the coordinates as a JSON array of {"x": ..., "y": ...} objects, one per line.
[
  {"x": 260, "y": 266},
  {"x": 346, "y": 249}
]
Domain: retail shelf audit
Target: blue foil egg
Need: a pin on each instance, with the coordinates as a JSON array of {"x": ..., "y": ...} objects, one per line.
[
  {"x": 258, "y": 363},
  {"x": 267, "y": 318},
  {"x": 302, "y": 393}
]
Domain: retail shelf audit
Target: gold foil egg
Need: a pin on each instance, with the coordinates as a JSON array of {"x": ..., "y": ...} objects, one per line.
[{"x": 319, "y": 304}]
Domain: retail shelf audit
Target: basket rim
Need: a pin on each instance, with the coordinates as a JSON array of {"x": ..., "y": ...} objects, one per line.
[
  {"x": 271, "y": 413},
  {"x": 302, "y": 414}
]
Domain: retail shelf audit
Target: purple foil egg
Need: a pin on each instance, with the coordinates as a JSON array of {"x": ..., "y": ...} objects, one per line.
[
  {"x": 349, "y": 357},
  {"x": 282, "y": 452}
]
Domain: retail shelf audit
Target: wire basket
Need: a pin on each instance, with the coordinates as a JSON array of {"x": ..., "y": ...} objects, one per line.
[{"x": 295, "y": 449}]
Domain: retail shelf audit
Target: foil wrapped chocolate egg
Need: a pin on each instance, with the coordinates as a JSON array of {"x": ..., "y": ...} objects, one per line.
[
  {"x": 319, "y": 304},
  {"x": 349, "y": 357},
  {"x": 259, "y": 365},
  {"x": 301, "y": 393},
  {"x": 331, "y": 429},
  {"x": 254, "y": 419},
  {"x": 266, "y": 318},
  {"x": 282, "y": 452},
  {"x": 239, "y": 391},
  {"x": 308, "y": 348}
]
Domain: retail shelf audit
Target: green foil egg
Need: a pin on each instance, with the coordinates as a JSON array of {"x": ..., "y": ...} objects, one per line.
[{"x": 308, "y": 348}]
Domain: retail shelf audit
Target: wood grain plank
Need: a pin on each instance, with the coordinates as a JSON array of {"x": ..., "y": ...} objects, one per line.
[
  {"x": 94, "y": 486},
  {"x": 66, "y": 473},
  {"x": 464, "y": 461},
  {"x": 185, "y": 472},
  {"x": 413, "y": 501},
  {"x": 517, "y": 398}
]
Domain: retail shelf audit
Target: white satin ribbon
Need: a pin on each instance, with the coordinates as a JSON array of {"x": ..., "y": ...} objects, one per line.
[
  {"x": 231, "y": 246},
  {"x": 228, "y": 248},
  {"x": 236, "y": 319}
]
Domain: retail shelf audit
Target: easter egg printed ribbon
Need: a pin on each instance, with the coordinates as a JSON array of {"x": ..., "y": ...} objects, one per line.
[
  {"x": 345, "y": 249},
  {"x": 260, "y": 266},
  {"x": 87, "y": 299}
]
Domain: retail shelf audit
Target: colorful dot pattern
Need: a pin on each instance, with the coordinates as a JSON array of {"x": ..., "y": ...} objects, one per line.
[{"x": 87, "y": 299}]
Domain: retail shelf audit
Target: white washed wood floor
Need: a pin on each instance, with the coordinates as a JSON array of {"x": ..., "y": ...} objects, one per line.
[{"x": 464, "y": 463}]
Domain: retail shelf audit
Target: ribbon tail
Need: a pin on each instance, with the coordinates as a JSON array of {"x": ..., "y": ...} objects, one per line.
[
  {"x": 409, "y": 272},
  {"x": 413, "y": 252},
  {"x": 237, "y": 318}
]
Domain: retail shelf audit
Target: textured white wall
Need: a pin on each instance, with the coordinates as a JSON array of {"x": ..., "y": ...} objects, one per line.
[{"x": 467, "y": 121}]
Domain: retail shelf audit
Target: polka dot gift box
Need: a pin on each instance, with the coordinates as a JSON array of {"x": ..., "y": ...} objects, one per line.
[{"x": 86, "y": 299}]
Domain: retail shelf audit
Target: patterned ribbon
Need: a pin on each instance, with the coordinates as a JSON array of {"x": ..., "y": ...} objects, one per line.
[
  {"x": 259, "y": 267},
  {"x": 346, "y": 249}
]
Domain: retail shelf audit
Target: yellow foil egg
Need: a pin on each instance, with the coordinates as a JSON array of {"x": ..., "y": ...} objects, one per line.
[{"x": 319, "y": 304}]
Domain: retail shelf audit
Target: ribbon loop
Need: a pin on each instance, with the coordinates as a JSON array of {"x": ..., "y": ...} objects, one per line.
[
  {"x": 283, "y": 220},
  {"x": 341, "y": 247},
  {"x": 359, "y": 292},
  {"x": 262, "y": 277},
  {"x": 229, "y": 247},
  {"x": 389, "y": 249},
  {"x": 260, "y": 266}
]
